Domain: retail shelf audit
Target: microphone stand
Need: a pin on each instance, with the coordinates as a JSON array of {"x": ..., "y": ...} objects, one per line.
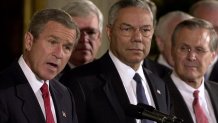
[
  {"x": 142, "y": 111},
  {"x": 165, "y": 118}
]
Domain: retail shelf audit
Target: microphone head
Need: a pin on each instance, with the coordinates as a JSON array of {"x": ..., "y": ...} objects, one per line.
[
  {"x": 145, "y": 106},
  {"x": 134, "y": 111}
]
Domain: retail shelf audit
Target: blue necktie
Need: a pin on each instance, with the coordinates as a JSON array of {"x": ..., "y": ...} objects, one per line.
[{"x": 140, "y": 93}]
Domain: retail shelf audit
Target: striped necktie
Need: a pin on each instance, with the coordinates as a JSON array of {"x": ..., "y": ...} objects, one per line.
[
  {"x": 199, "y": 113},
  {"x": 46, "y": 99}
]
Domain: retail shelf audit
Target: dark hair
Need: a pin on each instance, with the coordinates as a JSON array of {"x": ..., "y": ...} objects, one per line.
[{"x": 41, "y": 18}]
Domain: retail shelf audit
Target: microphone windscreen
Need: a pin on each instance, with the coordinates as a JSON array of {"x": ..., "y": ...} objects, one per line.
[
  {"x": 134, "y": 111},
  {"x": 145, "y": 106}
]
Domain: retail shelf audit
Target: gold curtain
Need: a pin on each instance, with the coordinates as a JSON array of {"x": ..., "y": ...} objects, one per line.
[{"x": 30, "y": 7}]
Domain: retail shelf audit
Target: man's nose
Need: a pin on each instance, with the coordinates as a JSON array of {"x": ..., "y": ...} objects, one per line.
[
  {"x": 84, "y": 36},
  {"x": 137, "y": 35},
  {"x": 191, "y": 54},
  {"x": 59, "y": 51}
]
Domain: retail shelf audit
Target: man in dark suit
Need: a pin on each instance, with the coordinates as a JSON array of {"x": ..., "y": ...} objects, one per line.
[
  {"x": 156, "y": 68},
  {"x": 208, "y": 10},
  {"x": 90, "y": 22},
  {"x": 105, "y": 87},
  {"x": 28, "y": 93},
  {"x": 193, "y": 50}
]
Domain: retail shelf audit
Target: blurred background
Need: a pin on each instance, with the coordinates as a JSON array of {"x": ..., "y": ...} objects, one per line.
[{"x": 17, "y": 13}]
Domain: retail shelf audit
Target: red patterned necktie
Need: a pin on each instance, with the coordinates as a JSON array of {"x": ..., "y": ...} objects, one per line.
[
  {"x": 199, "y": 113},
  {"x": 46, "y": 98}
]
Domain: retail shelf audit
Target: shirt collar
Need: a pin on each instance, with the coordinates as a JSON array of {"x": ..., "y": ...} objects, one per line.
[
  {"x": 126, "y": 72},
  {"x": 33, "y": 80},
  {"x": 184, "y": 87}
]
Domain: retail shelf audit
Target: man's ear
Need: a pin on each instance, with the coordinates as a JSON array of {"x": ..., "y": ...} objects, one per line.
[
  {"x": 160, "y": 43},
  {"x": 214, "y": 54},
  {"x": 28, "y": 41},
  {"x": 109, "y": 31}
]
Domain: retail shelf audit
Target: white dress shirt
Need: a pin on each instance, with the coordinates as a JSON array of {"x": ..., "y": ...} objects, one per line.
[
  {"x": 127, "y": 73},
  {"x": 187, "y": 93},
  {"x": 36, "y": 84}
]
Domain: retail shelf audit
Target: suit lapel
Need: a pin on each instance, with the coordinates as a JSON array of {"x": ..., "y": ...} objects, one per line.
[
  {"x": 57, "y": 97},
  {"x": 114, "y": 89},
  {"x": 212, "y": 91},
  {"x": 179, "y": 106},
  {"x": 156, "y": 93},
  {"x": 214, "y": 72},
  {"x": 31, "y": 107}
]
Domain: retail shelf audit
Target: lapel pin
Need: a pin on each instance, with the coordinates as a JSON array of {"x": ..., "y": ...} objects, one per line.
[
  {"x": 158, "y": 91},
  {"x": 64, "y": 114}
]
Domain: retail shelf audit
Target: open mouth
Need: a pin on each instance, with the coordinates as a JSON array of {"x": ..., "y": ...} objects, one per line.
[{"x": 53, "y": 65}]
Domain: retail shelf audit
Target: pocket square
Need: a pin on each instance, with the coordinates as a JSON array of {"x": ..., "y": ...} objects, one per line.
[
  {"x": 64, "y": 114},
  {"x": 158, "y": 91}
]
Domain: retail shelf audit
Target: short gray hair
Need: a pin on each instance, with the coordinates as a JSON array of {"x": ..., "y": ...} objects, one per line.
[
  {"x": 41, "y": 18},
  {"x": 82, "y": 8},
  {"x": 161, "y": 29},
  {"x": 206, "y": 4}
]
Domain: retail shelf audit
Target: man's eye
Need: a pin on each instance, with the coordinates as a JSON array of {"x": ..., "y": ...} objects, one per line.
[
  {"x": 126, "y": 28},
  {"x": 53, "y": 41},
  {"x": 200, "y": 50},
  {"x": 184, "y": 49},
  {"x": 68, "y": 48},
  {"x": 145, "y": 29},
  {"x": 90, "y": 32}
]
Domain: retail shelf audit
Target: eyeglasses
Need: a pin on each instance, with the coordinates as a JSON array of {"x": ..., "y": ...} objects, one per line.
[
  {"x": 91, "y": 33},
  {"x": 186, "y": 50},
  {"x": 128, "y": 30}
]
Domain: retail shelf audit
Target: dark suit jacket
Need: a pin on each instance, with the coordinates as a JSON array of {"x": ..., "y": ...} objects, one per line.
[
  {"x": 213, "y": 76},
  {"x": 101, "y": 96},
  {"x": 18, "y": 103},
  {"x": 157, "y": 68},
  {"x": 65, "y": 70},
  {"x": 179, "y": 105}
]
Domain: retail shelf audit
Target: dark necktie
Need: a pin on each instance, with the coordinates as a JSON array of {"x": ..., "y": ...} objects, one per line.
[
  {"x": 46, "y": 98},
  {"x": 199, "y": 113},
  {"x": 140, "y": 93}
]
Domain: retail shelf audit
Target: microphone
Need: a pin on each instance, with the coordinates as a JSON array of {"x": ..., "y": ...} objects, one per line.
[{"x": 142, "y": 111}]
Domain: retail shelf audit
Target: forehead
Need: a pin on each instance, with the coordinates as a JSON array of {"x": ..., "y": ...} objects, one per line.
[
  {"x": 57, "y": 30},
  {"x": 194, "y": 37},
  {"x": 134, "y": 16}
]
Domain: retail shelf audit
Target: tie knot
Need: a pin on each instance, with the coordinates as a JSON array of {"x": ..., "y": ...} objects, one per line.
[
  {"x": 137, "y": 78},
  {"x": 195, "y": 94},
  {"x": 44, "y": 90}
]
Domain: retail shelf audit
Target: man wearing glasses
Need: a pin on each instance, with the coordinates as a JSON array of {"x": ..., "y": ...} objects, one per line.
[
  {"x": 105, "y": 87},
  {"x": 194, "y": 46},
  {"x": 90, "y": 22}
]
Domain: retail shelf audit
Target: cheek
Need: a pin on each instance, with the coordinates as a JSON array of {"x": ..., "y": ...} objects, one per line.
[
  {"x": 118, "y": 41},
  {"x": 96, "y": 43},
  {"x": 206, "y": 61},
  {"x": 177, "y": 58},
  {"x": 67, "y": 56}
]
